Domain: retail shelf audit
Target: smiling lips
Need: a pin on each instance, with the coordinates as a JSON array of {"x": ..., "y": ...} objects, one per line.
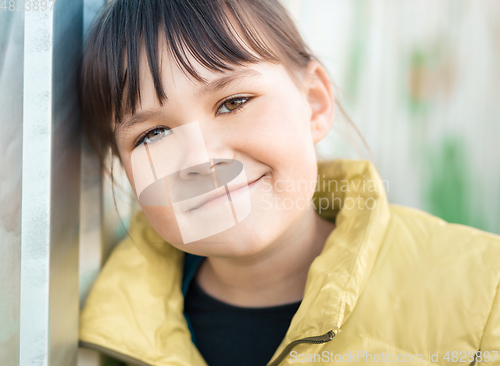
[{"x": 218, "y": 195}]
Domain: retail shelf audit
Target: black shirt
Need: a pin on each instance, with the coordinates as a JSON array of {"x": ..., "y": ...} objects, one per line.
[{"x": 228, "y": 335}]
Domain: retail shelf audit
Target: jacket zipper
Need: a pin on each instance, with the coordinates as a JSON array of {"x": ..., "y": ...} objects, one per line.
[
  {"x": 314, "y": 340},
  {"x": 475, "y": 357}
]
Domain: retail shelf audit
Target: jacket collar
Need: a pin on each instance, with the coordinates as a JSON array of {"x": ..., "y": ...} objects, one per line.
[{"x": 135, "y": 308}]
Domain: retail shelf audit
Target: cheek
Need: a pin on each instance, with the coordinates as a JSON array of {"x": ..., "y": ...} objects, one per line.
[
  {"x": 161, "y": 218},
  {"x": 164, "y": 222},
  {"x": 281, "y": 137}
]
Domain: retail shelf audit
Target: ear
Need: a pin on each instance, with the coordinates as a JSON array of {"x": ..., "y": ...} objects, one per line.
[{"x": 321, "y": 101}]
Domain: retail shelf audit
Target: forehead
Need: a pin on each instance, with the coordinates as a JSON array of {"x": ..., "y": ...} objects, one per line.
[
  {"x": 179, "y": 87},
  {"x": 177, "y": 62}
]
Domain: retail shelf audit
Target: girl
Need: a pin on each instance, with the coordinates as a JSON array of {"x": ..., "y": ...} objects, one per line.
[{"x": 247, "y": 251}]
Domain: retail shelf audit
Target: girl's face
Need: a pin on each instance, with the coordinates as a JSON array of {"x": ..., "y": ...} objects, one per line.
[{"x": 256, "y": 115}]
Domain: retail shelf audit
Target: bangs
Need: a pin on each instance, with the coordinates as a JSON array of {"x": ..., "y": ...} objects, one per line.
[
  {"x": 201, "y": 28},
  {"x": 218, "y": 34}
]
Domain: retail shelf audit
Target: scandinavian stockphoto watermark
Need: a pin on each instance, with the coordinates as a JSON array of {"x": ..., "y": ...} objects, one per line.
[
  {"x": 333, "y": 193},
  {"x": 367, "y": 357}
]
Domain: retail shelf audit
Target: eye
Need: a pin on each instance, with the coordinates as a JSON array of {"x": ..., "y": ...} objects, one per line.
[
  {"x": 231, "y": 105},
  {"x": 155, "y": 135}
]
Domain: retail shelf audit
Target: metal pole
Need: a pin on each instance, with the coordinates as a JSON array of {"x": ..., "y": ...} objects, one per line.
[{"x": 50, "y": 186}]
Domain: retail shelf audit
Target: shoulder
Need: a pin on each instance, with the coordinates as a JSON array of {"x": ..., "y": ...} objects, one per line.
[
  {"x": 136, "y": 260},
  {"x": 465, "y": 253},
  {"x": 458, "y": 262},
  {"x": 447, "y": 274}
]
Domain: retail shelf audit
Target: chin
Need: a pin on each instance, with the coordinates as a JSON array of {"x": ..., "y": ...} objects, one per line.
[
  {"x": 234, "y": 242},
  {"x": 245, "y": 239}
]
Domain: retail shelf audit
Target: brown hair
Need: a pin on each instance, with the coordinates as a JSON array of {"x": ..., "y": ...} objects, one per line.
[{"x": 109, "y": 76}]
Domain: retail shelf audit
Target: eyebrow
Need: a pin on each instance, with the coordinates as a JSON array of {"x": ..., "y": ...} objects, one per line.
[
  {"x": 138, "y": 117},
  {"x": 225, "y": 81},
  {"x": 210, "y": 87}
]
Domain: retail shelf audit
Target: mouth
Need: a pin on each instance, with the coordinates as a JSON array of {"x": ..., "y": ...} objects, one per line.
[{"x": 220, "y": 197}]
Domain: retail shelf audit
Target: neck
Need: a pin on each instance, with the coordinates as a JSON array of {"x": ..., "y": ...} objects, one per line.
[{"x": 275, "y": 276}]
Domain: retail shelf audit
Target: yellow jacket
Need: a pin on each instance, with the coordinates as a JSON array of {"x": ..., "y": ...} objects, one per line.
[{"x": 391, "y": 281}]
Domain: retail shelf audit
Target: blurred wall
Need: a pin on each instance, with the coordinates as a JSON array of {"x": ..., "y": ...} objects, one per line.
[{"x": 421, "y": 79}]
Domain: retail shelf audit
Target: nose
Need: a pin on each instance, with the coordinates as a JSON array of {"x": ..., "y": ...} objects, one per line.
[
  {"x": 218, "y": 150},
  {"x": 203, "y": 170},
  {"x": 196, "y": 171},
  {"x": 193, "y": 181}
]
